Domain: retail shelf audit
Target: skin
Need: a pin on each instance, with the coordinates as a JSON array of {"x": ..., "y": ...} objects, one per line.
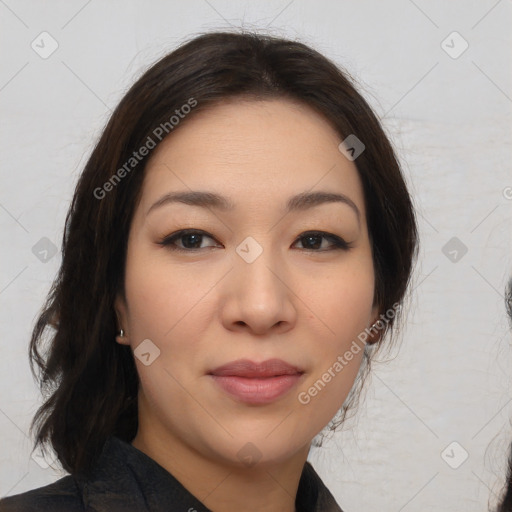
[{"x": 208, "y": 306}]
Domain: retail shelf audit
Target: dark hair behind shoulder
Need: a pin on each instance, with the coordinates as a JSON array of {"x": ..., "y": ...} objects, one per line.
[
  {"x": 506, "y": 504},
  {"x": 91, "y": 381}
]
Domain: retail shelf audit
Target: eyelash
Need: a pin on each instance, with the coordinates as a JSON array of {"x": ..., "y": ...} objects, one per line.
[{"x": 338, "y": 242}]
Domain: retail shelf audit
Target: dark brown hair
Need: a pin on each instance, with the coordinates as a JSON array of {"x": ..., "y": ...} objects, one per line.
[
  {"x": 90, "y": 381},
  {"x": 506, "y": 504}
]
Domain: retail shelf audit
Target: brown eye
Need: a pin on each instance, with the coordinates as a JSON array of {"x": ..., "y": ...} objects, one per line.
[
  {"x": 188, "y": 240},
  {"x": 313, "y": 241}
]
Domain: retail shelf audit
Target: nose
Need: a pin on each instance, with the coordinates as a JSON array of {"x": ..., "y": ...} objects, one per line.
[{"x": 258, "y": 296}]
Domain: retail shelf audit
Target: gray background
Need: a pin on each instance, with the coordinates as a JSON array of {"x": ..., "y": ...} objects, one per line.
[{"x": 449, "y": 117}]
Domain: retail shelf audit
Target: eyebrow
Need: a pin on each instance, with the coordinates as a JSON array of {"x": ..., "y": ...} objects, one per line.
[{"x": 300, "y": 202}]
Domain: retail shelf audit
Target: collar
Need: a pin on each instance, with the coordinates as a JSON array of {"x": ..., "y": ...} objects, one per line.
[{"x": 126, "y": 479}]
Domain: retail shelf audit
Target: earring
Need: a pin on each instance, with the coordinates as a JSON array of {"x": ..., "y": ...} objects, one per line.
[{"x": 121, "y": 333}]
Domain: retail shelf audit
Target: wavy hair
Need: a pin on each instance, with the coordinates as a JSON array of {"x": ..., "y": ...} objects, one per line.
[{"x": 89, "y": 381}]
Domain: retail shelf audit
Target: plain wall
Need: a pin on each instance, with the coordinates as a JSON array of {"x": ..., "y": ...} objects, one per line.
[{"x": 449, "y": 119}]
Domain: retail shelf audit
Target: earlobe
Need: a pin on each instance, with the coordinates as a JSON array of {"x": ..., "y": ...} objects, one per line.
[
  {"x": 374, "y": 334},
  {"x": 374, "y": 330},
  {"x": 121, "y": 338},
  {"x": 120, "y": 310}
]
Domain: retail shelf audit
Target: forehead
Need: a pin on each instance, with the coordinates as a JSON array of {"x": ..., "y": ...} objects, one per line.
[{"x": 248, "y": 150}]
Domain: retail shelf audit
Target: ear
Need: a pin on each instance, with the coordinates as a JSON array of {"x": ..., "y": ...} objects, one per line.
[
  {"x": 374, "y": 333},
  {"x": 121, "y": 310}
]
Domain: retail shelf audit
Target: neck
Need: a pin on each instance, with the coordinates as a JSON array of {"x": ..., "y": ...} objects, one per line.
[{"x": 221, "y": 486}]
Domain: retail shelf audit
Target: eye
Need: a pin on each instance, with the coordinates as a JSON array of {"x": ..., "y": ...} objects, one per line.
[
  {"x": 313, "y": 241},
  {"x": 190, "y": 240}
]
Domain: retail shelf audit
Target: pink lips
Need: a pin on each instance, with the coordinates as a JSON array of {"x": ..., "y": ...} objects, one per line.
[{"x": 257, "y": 383}]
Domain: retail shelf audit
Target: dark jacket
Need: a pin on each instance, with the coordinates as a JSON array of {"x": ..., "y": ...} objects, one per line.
[{"x": 124, "y": 479}]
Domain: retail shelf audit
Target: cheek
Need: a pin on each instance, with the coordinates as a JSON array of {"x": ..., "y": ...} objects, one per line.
[
  {"x": 163, "y": 307},
  {"x": 162, "y": 296},
  {"x": 343, "y": 304},
  {"x": 337, "y": 359},
  {"x": 343, "y": 301},
  {"x": 171, "y": 306}
]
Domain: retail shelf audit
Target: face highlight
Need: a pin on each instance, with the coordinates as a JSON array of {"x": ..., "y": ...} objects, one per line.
[{"x": 249, "y": 243}]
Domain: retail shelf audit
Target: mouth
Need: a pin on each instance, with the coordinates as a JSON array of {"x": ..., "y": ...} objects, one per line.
[{"x": 257, "y": 383}]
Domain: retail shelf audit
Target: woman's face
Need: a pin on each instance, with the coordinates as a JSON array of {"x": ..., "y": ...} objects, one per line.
[{"x": 247, "y": 282}]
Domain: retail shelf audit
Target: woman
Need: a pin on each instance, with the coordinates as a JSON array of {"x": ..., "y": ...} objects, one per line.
[{"x": 239, "y": 242}]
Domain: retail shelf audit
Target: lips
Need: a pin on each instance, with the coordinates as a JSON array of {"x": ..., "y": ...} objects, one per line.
[
  {"x": 257, "y": 383},
  {"x": 249, "y": 369}
]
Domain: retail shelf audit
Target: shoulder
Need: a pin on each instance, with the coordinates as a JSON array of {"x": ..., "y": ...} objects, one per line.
[
  {"x": 111, "y": 484},
  {"x": 61, "y": 496},
  {"x": 312, "y": 494}
]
